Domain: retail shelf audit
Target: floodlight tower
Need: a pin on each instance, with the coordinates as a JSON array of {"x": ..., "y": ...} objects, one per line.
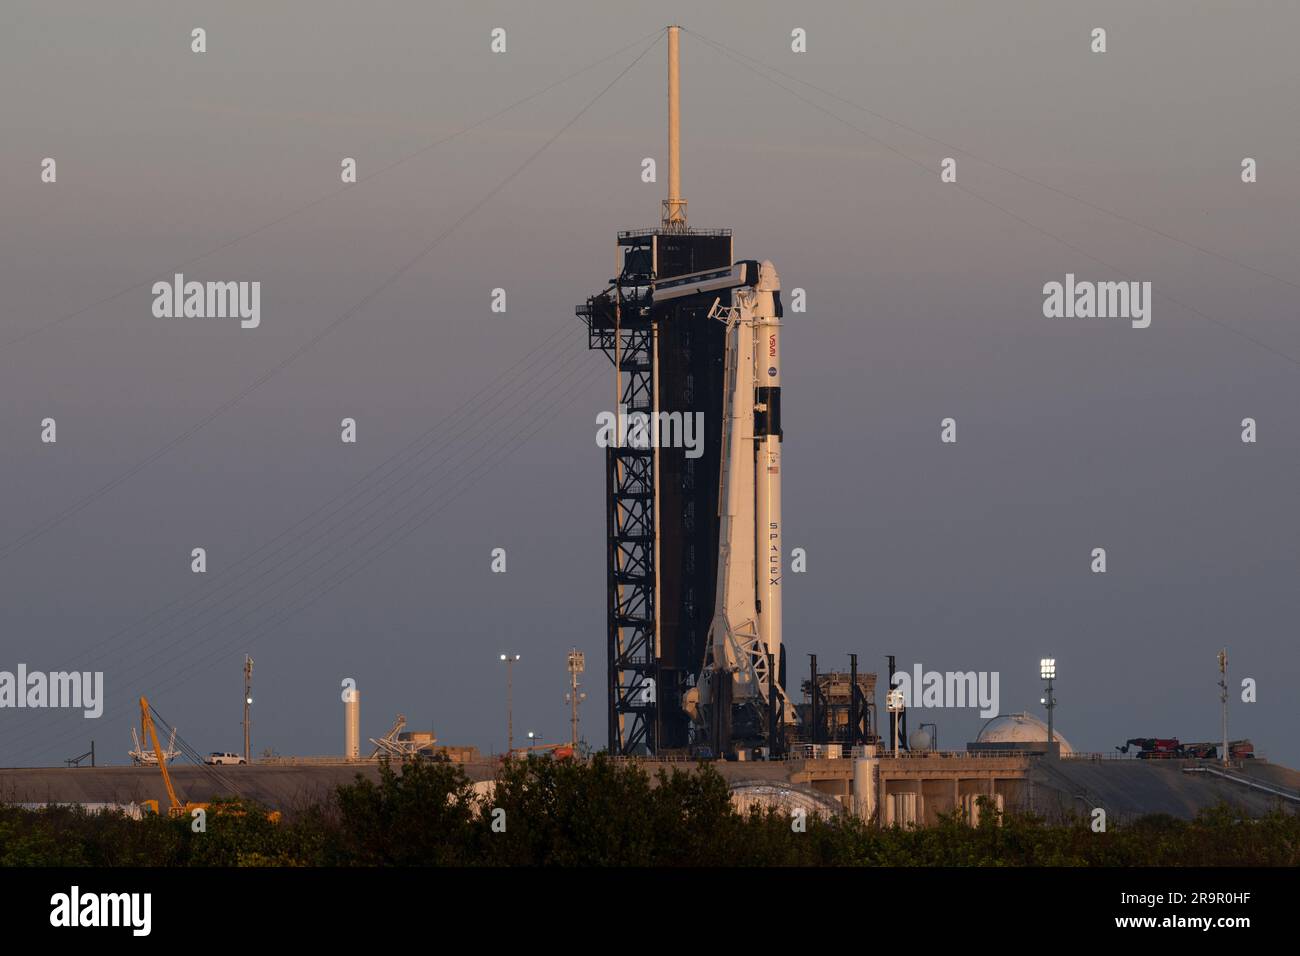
[{"x": 1047, "y": 671}]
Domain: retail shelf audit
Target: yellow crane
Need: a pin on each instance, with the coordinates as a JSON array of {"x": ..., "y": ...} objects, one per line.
[{"x": 149, "y": 733}]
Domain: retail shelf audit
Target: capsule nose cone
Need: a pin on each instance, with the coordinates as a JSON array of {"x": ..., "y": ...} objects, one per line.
[{"x": 768, "y": 280}]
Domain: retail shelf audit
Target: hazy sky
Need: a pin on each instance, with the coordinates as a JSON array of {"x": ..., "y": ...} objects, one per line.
[{"x": 924, "y": 301}]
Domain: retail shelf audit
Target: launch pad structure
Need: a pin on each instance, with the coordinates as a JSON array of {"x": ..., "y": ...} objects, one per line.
[
  {"x": 661, "y": 506},
  {"x": 693, "y": 661}
]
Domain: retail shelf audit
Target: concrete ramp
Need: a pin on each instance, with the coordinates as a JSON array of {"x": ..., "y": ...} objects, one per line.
[
  {"x": 278, "y": 785},
  {"x": 1131, "y": 788}
]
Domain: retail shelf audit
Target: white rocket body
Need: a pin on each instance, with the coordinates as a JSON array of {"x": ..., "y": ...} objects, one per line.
[
  {"x": 735, "y": 615},
  {"x": 745, "y": 634},
  {"x": 767, "y": 453}
]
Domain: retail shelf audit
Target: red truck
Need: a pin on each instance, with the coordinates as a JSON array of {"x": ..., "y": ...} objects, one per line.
[{"x": 1157, "y": 748}]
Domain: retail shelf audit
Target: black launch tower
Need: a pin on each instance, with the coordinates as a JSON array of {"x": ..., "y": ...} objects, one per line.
[{"x": 661, "y": 506}]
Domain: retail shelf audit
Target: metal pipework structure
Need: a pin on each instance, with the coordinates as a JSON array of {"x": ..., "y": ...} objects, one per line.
[
  {"x": 900, "y": 737},
  {"x": 856, "y": 735}
]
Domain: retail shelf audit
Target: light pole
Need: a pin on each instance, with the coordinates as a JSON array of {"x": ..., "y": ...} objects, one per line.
[
  {"x": 248, "y": 701},
  {"x": 534, "y": 740},
  {"x": 509, "y": 660},
  {"x": 1047, "y": 670}
]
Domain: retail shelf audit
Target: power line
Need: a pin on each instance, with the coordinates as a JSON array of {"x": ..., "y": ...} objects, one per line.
[
  {"x": 1002, "y": 209},
  {"x": 543, "y": 412},
  {"x": 58, "y": 519},
  {"x": 528, "y": 387},
  {"x": 414, "y": 451},
  {"x": 405, "y": 525},
  {"x": 429, "y": 511},
  {"x": 194, "y": 755},
  {"x": 1006, "y": 169},
  {"x": 298, "y": 210}
]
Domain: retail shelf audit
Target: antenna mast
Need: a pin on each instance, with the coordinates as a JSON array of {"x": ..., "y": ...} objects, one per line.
[
  {"x": 674, "y": 207},
  {"x": 248, "y": 699},
  {"x": 1223, "y": 700},
  {"x": 577, "y": 664}
]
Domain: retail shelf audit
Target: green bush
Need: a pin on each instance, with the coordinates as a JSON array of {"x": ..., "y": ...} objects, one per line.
[{"x": 610, "y": 813}]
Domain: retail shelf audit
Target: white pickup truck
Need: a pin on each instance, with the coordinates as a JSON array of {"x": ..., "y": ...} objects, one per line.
[{"x": 220, "y": 758}]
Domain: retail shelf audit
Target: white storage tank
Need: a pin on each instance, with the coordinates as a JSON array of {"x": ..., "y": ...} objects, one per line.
[{"x": 900, "y": 810}]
